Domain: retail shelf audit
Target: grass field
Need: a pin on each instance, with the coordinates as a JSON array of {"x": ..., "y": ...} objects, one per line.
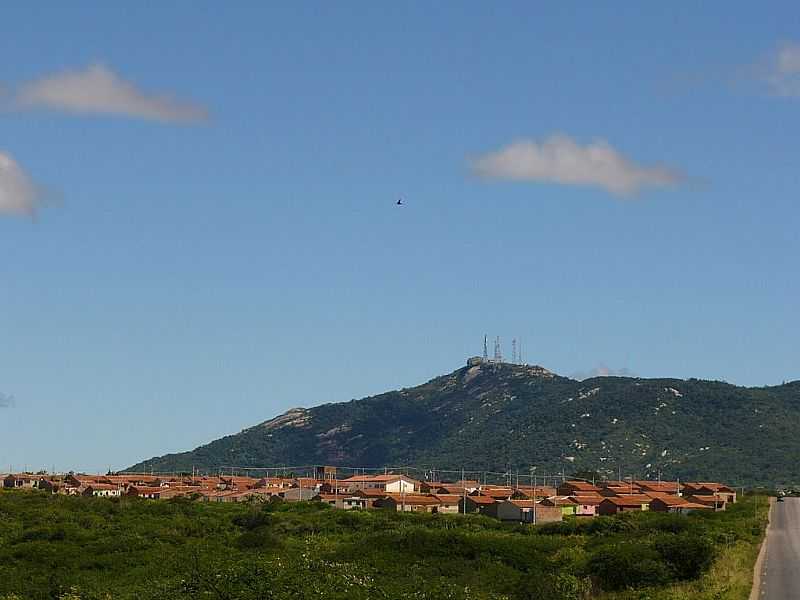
[{"x": 83, "y": 548}]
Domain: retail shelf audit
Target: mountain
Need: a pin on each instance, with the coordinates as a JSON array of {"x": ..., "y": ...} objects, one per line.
[{"x": 492, "y": 416}]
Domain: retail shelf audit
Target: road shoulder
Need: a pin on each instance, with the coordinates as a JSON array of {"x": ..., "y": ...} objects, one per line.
[{"x": 758, "y": 569}]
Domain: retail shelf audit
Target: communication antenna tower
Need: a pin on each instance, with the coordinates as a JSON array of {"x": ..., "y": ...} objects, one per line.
[
  {"x": 514, "y": 350},
  {"x": 485, "y": 349},
  {"x": 498, "y": 355}
]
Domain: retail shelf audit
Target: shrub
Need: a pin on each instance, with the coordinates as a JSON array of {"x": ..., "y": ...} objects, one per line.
[
  {"x": 688, "y": 556},
  {"x": 253, "y": 520},
  {"x": 628, "y": 565}
]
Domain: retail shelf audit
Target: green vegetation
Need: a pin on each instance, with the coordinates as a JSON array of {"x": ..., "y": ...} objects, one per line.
[
  {"x": 494, "y": 417},
  {"x": 74, "y": 548}
]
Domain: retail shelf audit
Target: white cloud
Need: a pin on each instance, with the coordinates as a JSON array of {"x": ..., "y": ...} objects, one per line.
[
  {"x": 99, "y": 90},
  {"x": 19, "y": 195},
  {"x": 559, "y": 159},
  {"x": 783, "y": 74}
]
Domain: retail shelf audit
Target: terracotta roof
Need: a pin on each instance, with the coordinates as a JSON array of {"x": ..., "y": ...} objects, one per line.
[
  {"x": 448, "y": 499},
  {"x": 560, "y": 501},
  {"x": 705, "y": 498},
  {"x": 377, "y": 478},
  {"x": 696, "y": 506},
  {"x": 451, "y": 489},
  {"x": 659, "y": 486},
  {"x": 482, "y": 499},
  {"x": 420, "y": 499},
  {"x": 710, "y": 485},
  {"x": 523, "y": 503},
  {"x": 145, "y": 490},
  {"x": 588, "y": 500},
  {"x": 670, "y": 500},
  {"x": 103, "y": 486},
  {"x": 659, "y": 494},
  {"x": 496, "y": 493},
  {"x": 580, "y": 485},
  {"x": 370, "y": 493},
  {"x": 628, "y": 500},
  {"x": 541, "y": 490}
]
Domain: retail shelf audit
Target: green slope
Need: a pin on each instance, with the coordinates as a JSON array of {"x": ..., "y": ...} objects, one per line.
[{"x": 513, "y": 416}]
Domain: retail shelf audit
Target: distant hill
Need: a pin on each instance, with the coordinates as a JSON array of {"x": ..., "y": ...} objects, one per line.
[{"x": 500, "y": 416}]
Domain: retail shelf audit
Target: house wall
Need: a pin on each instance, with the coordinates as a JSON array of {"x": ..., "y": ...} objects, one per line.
[{"x": 400, "y": 486}]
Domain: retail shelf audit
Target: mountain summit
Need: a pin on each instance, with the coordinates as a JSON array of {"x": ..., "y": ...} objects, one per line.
[{"x": 500, "y": 416}]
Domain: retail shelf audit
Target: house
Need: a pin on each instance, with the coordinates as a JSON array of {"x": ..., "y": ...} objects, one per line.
[
  {"x": 388, "y": 483},
  {"x": 342, "y": 502},
  {"x": 21, "y": 481},
  {"x": 370, "y": 496},
  {"x": 298, "y": 494},
  {"x": 530, "y": 492},
  {"x": 52, "y": 485},
  {"x": 476, "y": 504},
  {"x": 151, "y": 493},
  {"x": 586, "y": 506},
  {"x": 618, "y": 504},
  {"x": 430, "y": 487},
  {"x": 523, "y": 511},
  {"x": 497, "y": 492},
  {"x": 675, "y": 504},
  {"x": 334, "y": 486},
  {"x": 448, "y": 503},
  {"x": 274, "y": 482},
  {"x": 470, "y": 484},
  {"x": 568, "y": 505},
  {"x": 307, "y": 483},
  {"x": 102, "y": 490},
  {"x": 237, "y": 483},
  {"x": 625, "y": 489},
  {"x": 718, "y": 503},
  {"x": 409, "y": 503},
  {"x": 450, "y": 488},
  {"x": 570, "y": 488},
  {"x": 710, "y": 489},
  {"x": 666, "y": 487}
]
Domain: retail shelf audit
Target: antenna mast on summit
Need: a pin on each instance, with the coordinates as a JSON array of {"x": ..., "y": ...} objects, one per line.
[
  {"x": 514, "y": 350},
  {"x": 498, "y": 355},
  {"x": 485, "y": 349}
]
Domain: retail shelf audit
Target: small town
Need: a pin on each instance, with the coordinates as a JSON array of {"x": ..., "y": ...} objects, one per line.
[{"x": 399, "y": 492}]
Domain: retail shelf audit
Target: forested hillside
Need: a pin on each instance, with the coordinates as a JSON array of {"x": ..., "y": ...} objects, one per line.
[{"x": 505, "y": 416}]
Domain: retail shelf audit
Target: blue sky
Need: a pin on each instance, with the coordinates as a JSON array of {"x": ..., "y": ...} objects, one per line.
[{"x": 216, "y": 238}]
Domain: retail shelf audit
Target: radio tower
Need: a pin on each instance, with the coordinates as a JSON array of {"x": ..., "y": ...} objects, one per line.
[
  {"x": 498, "y": 355},
  {"x": 514, "y": 350},
  {"x": 485, "y": 350}
]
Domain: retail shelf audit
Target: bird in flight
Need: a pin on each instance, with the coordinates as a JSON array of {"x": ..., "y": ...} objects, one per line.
[{"x": 399, "y": 202}]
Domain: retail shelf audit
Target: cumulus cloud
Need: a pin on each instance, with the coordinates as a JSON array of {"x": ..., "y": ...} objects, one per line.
[
  {"x": 783, "y": 73},
  {"x": 560, "y": 159},
  {"x": 99, "y": 90},
  {"x": 19, "y": 195},
  {"x": 6, "y": 401},
  {"x": 602, "y": 371}
]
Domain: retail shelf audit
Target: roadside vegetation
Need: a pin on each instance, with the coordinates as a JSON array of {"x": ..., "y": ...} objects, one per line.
[{"x": 72, "y": 548}]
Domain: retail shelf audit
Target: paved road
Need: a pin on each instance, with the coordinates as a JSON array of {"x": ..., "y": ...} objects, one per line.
[{"x": 780, "y": 572}]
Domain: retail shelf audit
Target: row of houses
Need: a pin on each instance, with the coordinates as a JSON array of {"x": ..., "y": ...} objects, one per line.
[{"x": 392, "y": 491}]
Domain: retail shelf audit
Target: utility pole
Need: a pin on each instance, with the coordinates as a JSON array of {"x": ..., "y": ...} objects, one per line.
[{"x": 464, "y": 490}]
